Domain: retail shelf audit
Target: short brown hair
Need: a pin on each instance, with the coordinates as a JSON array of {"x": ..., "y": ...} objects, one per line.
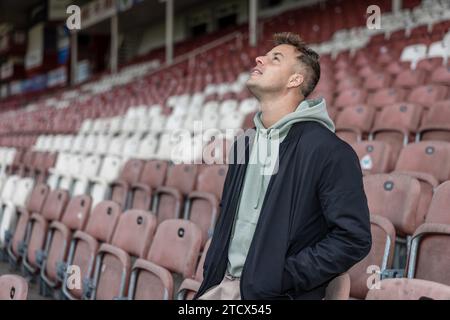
[{"x": 309, "y": 59}]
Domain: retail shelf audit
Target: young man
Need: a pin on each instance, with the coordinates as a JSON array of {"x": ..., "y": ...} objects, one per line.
[{"x": 294, "y": 214}]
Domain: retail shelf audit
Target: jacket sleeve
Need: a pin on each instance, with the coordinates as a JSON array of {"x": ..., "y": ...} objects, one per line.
[{"x": 344, "y": 206}]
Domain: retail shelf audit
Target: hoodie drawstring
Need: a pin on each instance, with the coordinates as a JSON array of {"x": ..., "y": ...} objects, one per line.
[{"x": 263, "y": 165}]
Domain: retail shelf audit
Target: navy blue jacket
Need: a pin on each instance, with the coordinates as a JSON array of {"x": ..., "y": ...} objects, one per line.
[{"x": 314, "y": 222}]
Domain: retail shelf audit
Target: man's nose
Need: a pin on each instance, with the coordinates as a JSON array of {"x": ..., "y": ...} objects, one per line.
[{"x": 259, "y": 60}]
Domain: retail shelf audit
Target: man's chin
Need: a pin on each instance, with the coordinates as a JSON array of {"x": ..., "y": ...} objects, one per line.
[{"x": 252, "y": 87}]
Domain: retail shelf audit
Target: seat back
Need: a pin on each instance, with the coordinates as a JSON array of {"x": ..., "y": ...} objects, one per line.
[
  {"x": 53, "y": 209},
  {"x": 379, "y": 258},
  {"x": 131, "y": 171},
  {"x": 428, "y": 94},
  {"x": 350, "y": 97},
  {"x": 429, "y": 248},
  {"x": 409, "y": 289},
  {"x": 395, "y": 197},
  {"x": 9, "y": 188},
  {"x": 13, "y": 287},
  {"x": 182, "y": 177},
  {"x": 404, "y": 116},
  {"x": 185, "y": 239},
  {"x": 100, "y": 228},
  {"x": 440, "y": 204},
  {"x": 429, "y": 157},
  {"x": 374, "y": 156},
  {"x": 55, "y": 204},
  {"x": 37, "y": 197},
  {"x": 156, "y": 282},
  {"x": 410, "y": 78},
  {"x": 77, "y": 212},
  {"x": 189, "y": 287},
  {"x": 103, "y": 220},
  {"x": 181, "y": 180},
  {"x": 153, "y": 176},
  {"x": 385, "y": 97},
  {"x": 204, "y": 202},
  {"x": 436, "y": 123},
  {"x": 110, "y": 168},
  {"x": 23, "y": 189},
  {"x": 133, "y": 236},
  {"x": 91, "y": 166}
]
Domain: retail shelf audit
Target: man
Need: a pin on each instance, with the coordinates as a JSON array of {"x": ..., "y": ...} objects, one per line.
[{"x": 294, "y": 214}]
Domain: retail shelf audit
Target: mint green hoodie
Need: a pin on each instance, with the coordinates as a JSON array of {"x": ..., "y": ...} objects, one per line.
[{"x": 263, "y": 163}]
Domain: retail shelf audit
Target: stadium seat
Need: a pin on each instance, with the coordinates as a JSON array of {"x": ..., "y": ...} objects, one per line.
[
  {"x": 427, "y": 95},
  {"x": 58, "y": 241},
  {"x": 189, "y": 286},
  {"x": 109, "y": 172},
  {"x": 103, "y": 142},
  {"x": 84, "y": 246},
  {"x": 429, "y": 162},
  {"x": 377, "y": 81},
  {"x": 73, "y": 170},
  {"x": 19, "y": 199},
  {"x": 409, "y": 289},
  {"x": 152, "y": 177},
  {"x": 396, "y": 197},
  {"x": 353, "y": 123},
  {"x": 90, "y": 168},
  {"x": 16, "y": 236},
  {"x": 13, "y": 287},
  {"x": 350, "y": 97},
  {"x": 429, "y": 159},
  {"x": 379, "y": 258},
  {"x": 147, "y": 147},
  {"x": 34, "y": 243},
  {"x": 429, "y": 244},
  {"x": 61, "y": 167},
  {"x": 440, "y": 75},
  {"x": 152, "y": 278},
  {"x": 435, "y": 123},
  {"x": 374, "y": 156},
  {"x": 438, "y": 213},
  {"x": 170, "y": 198},
  {"x": 203, "y": 203},
  {"x": 410, "y": 78},
  {"x": 413, "y": 54},
  {"x": 397, "y": 125},
  {"x": 130, "y": 174},
  {"x": 132, "y": 238},
  {"x": 386, "y": 97}
]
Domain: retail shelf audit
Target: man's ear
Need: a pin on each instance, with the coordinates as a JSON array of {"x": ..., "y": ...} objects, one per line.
[{"x": 295, "y": 80}]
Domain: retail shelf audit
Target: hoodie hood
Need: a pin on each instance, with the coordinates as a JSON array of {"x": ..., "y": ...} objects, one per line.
[
  {"x": 266, "y": 146},
  {"x": 307, "y": 110}
]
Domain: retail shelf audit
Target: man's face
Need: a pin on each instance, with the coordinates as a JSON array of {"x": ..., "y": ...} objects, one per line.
[{"x": 275, "y": 70}]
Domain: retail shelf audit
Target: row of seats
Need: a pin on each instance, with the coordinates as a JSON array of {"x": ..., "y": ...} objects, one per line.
[
  {"x": 54, "y": 233},
  {"x": 13, "y": 287},
  {"x": 28, "y": 163},
  {"x": 409, "y": 120},
  {"x": 110, "y": 238},
  {"x": 171, "y": 191},
  {"x": 177, "y": 146}
]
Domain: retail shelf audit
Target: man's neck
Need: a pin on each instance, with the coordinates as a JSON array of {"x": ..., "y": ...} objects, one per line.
[{"x": 274, "y": 109}]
